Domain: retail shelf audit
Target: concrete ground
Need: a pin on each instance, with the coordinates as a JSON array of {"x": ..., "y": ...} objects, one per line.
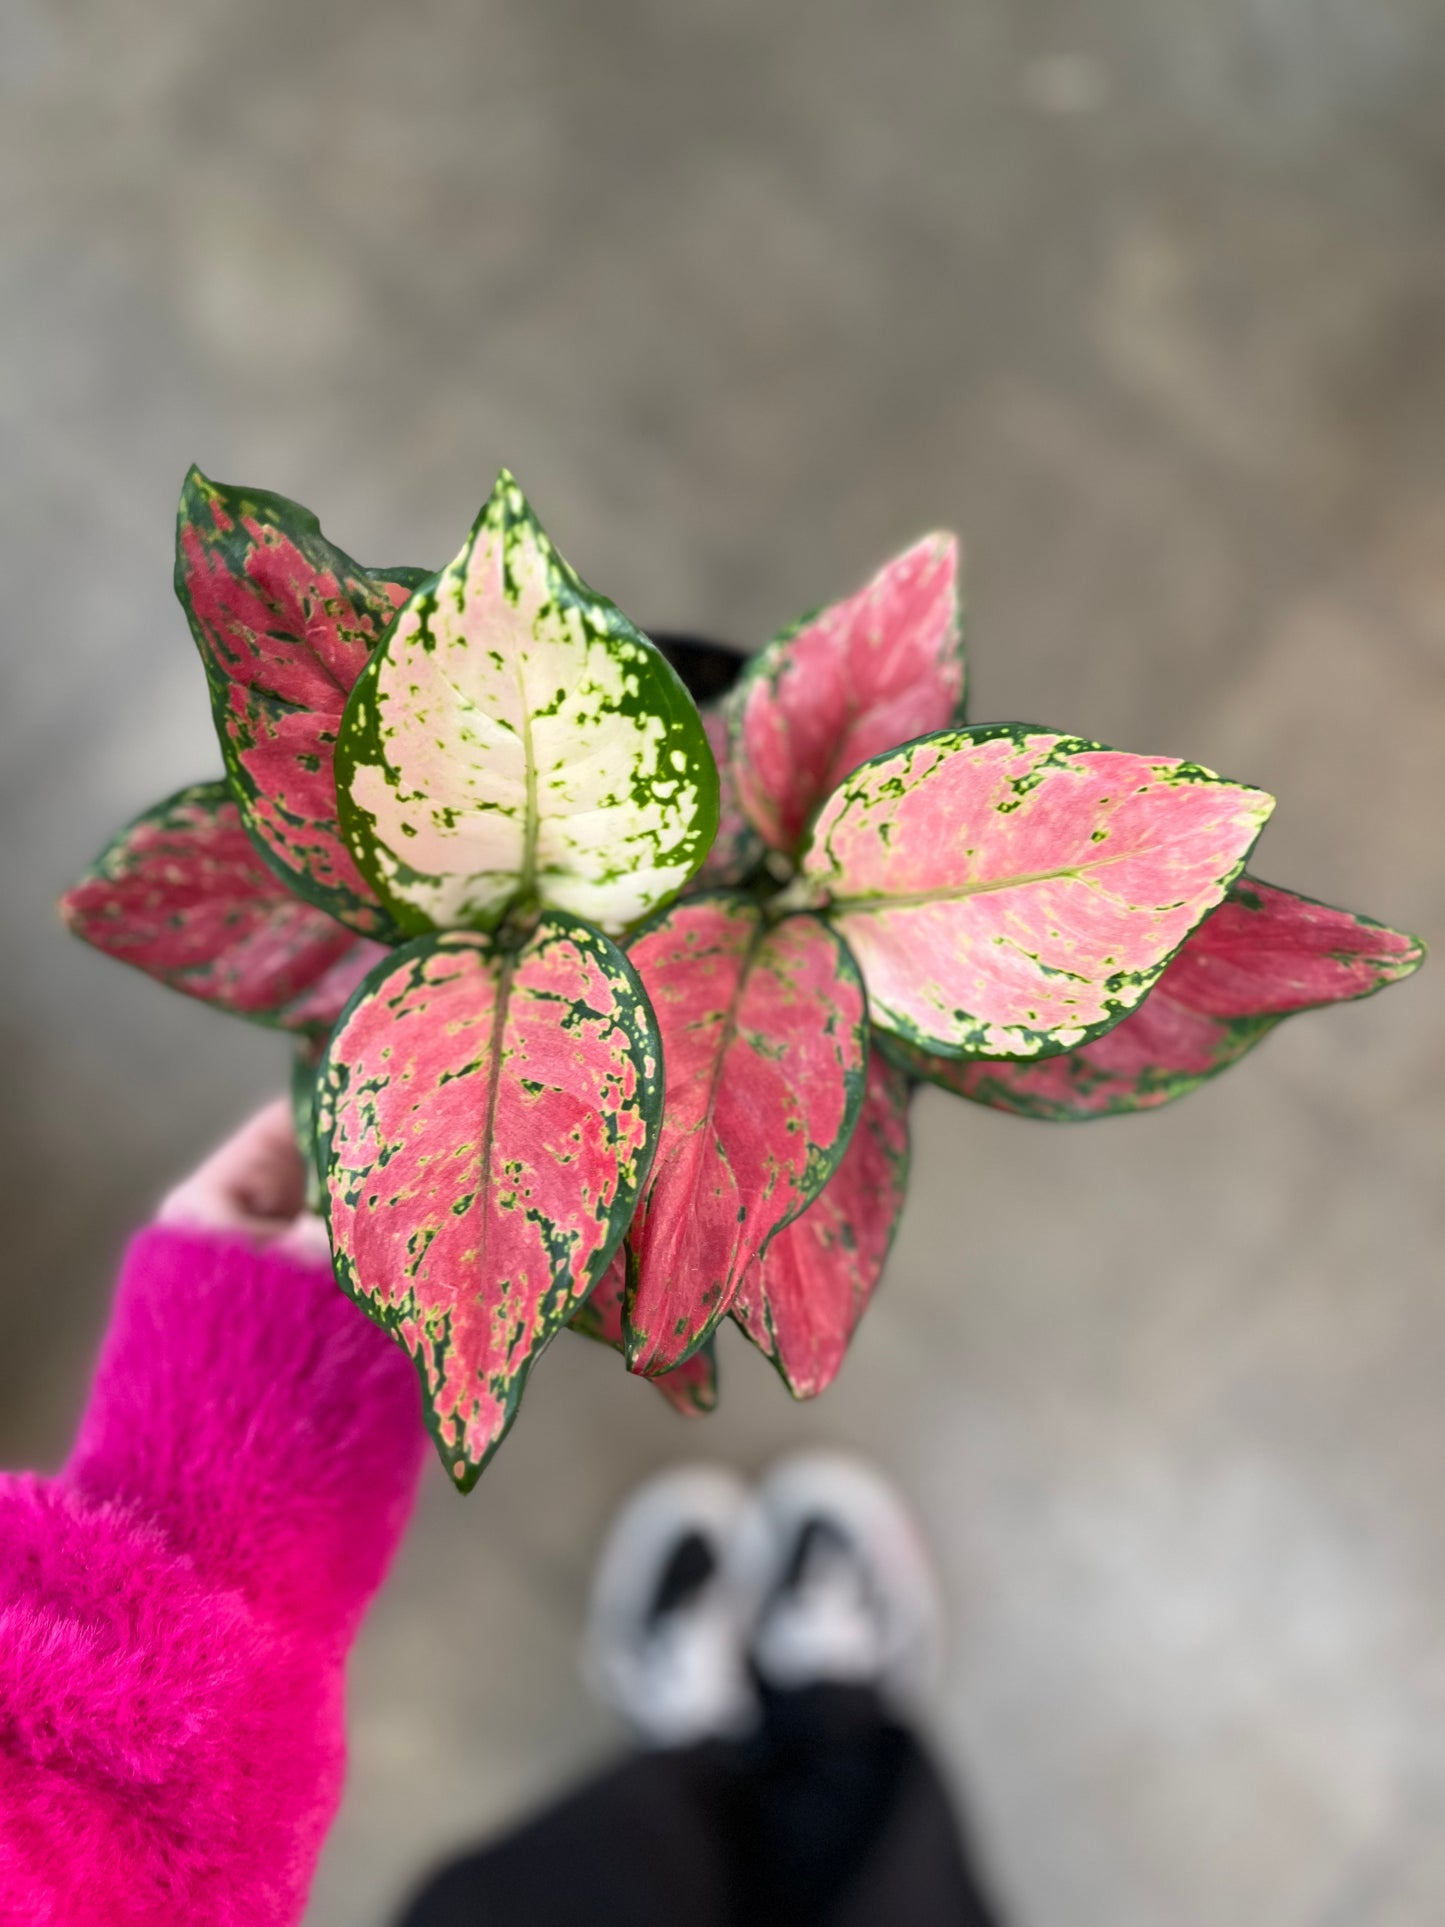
[{"x": 1148, "y": 299}]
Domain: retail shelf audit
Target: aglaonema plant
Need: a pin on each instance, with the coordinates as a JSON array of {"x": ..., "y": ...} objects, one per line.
[{"x": 608, "y": 1008}]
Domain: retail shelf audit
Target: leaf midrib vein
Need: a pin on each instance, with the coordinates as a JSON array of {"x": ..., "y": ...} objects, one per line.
[
  {"x": 528, "y": 885},
  {"x": 917, "y": 899},
  {"x": 489, "y": 1117},
  {"x": 730, "y": 1024},
  {"x": 705, "y": 1133}
]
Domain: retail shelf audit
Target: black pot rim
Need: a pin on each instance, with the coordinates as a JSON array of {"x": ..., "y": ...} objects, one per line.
[{"x": 708, "y": 668}]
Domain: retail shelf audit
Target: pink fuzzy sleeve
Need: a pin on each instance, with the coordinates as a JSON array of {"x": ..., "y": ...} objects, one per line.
[
  {"x": 245, "y": 1405},
  {"x": 175, "y": 1607}
]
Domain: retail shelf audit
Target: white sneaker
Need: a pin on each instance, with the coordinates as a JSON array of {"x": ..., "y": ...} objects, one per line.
[
  {"x": 666, "y": 1640},
  {"x": 847, "y": 1588}
]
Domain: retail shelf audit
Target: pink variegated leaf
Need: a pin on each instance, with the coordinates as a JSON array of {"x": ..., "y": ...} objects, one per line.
[
  {"x": 764, "y": 1035},
  {"x": 857, "y": 678},
  {"x": 801, "y": 1301},
  {"x": 1263, "y": 955},
  {"x": 691, "y": 1388},
  {"x": 285, "y": 622},
  {"x": 1010, "y": 892},
  {"x": 486, "y": 1118},
  {"x": 737, "y": 849},
  {"x": 182, "y": 895}
]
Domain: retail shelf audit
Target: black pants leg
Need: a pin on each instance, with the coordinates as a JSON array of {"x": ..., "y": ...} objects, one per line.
[{"x": 832, "y": 1817}]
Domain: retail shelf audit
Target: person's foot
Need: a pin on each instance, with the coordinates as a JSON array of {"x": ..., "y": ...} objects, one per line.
[
  {"x": 666, "y": 1630},
  {"x": 846, "y": 1586}
]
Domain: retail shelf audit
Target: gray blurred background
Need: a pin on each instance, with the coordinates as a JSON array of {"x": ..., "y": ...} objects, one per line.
[{"x": 1147, "y": 299}]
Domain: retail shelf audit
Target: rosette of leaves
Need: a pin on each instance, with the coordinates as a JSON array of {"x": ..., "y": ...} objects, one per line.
[{"x": 607, "y": 1009}]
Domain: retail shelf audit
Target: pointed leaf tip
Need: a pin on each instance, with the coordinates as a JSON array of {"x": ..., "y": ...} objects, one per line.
[
  {"x": 517, "y": 741},
  {"x": 284, "y": 621},
  {"x": 858, "y": 677},
  {"x": 1265, "y": 954},
  {"x": 1012, "y": 892},
  {"x": 691, "y": 1389},
  {"x": 764, "y": 1041},
  {"x": 486, "y": 1121},
  {"x": 803, "y": 1299},
  {"x": 182, "y": 895}
]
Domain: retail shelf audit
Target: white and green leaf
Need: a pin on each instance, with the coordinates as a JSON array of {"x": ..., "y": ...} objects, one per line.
[{"x": 515, "y": 743}]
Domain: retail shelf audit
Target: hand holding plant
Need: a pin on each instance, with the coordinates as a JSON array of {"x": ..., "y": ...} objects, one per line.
[{"x": 254, "y": 1185}]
